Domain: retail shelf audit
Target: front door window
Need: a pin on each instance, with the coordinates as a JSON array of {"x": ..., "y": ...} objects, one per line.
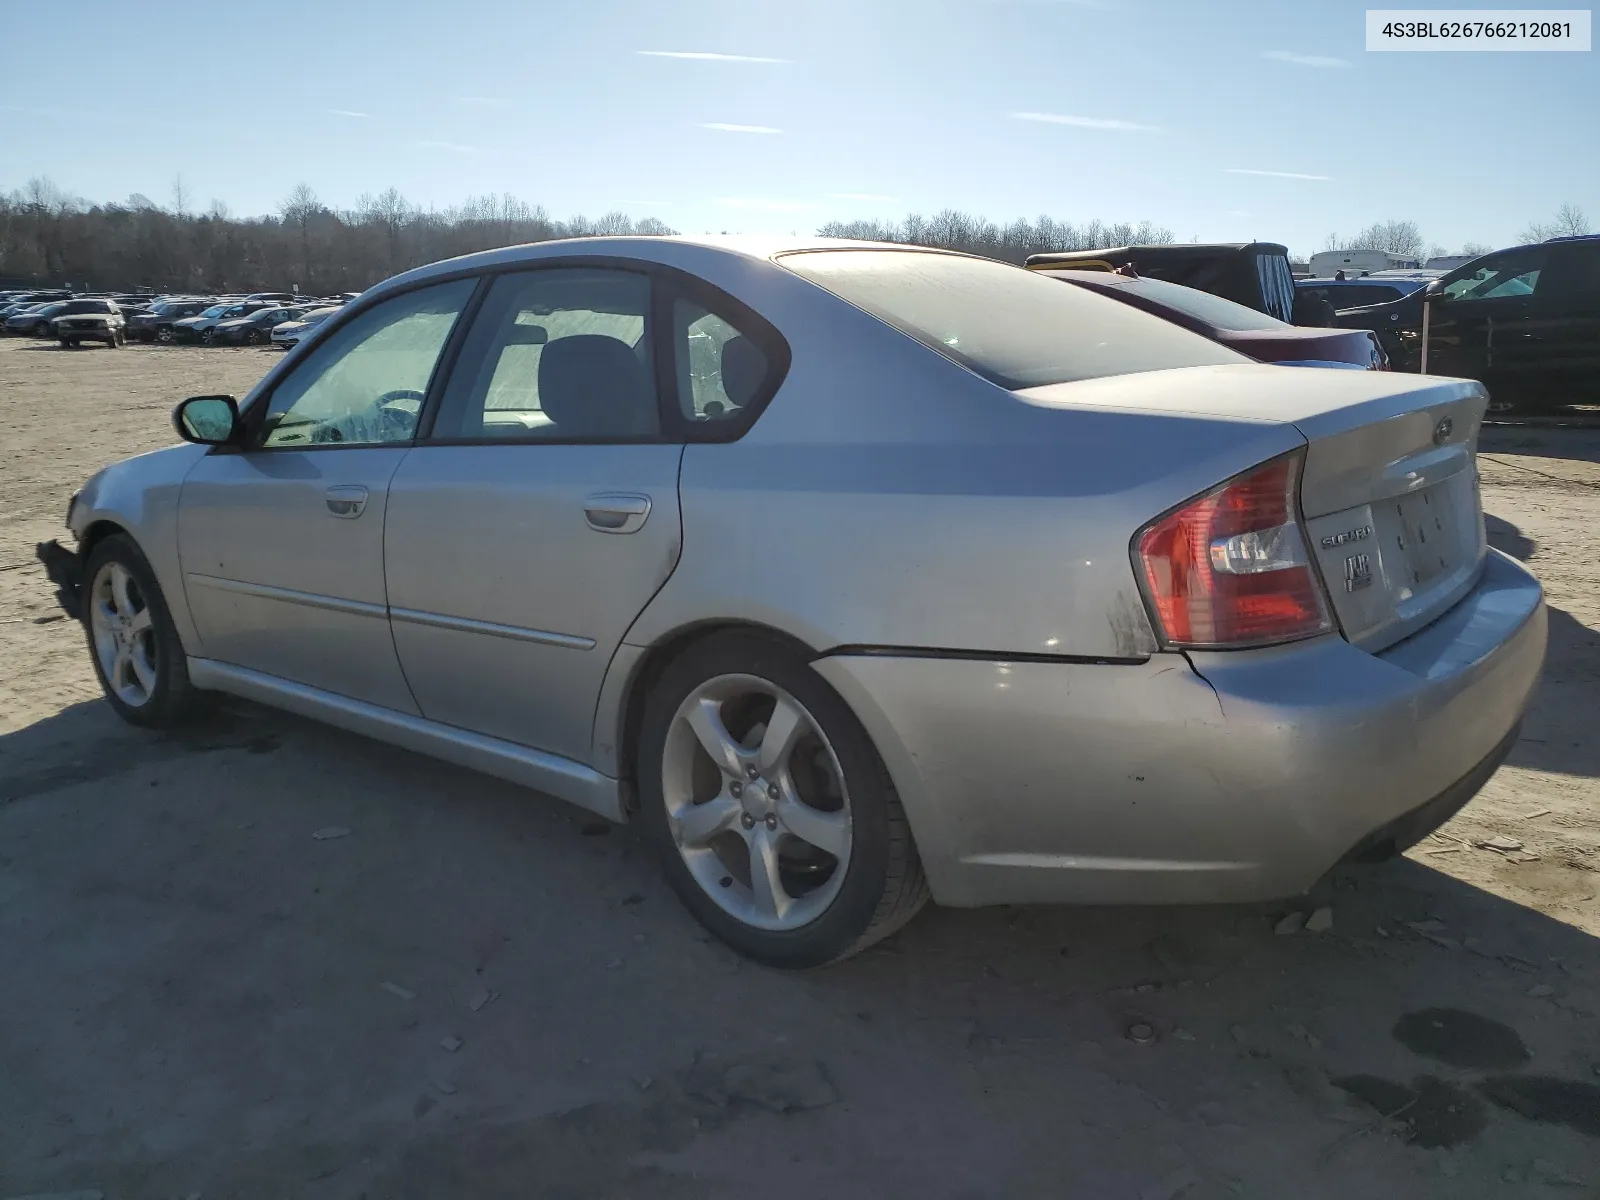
[{"x": 364, "y": 386}]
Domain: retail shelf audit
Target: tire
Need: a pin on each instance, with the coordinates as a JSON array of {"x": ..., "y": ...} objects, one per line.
[
  {"x": 165, "y": 336},
  {"x": 120, "y": 338},
  {"x": 208, "y": 337},
  {"x": 847, "y": 900},
  {"x": 252, "y": 337},
  {"x": 153, "y": 690},
  {"x": 113, "y": 342},
  {"x": 66, "y": 343}
]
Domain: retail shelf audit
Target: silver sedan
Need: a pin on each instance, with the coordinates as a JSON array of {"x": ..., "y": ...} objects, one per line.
[{"x": 856, "y": 574}]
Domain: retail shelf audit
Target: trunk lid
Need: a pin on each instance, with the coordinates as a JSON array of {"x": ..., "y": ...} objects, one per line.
[
  {"x": 1392, "y": 508},
  {"x": 1390, "y": 487}
]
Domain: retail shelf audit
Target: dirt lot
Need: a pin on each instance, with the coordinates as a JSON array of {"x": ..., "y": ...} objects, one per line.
[{"x": 199, "y": 998}]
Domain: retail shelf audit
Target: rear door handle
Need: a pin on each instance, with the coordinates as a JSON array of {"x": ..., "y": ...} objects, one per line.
[
  {"x": 616, "y": 512},
  {"x": 347, "y": 500}
]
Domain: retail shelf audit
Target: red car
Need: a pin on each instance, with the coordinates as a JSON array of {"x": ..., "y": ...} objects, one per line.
[{"x": 1243, "y": 329}]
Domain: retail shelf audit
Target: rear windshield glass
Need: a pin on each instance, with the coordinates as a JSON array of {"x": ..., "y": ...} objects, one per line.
[
  {"x": 1015, "y": 328},
  {"x": 1213, "y": 310}
]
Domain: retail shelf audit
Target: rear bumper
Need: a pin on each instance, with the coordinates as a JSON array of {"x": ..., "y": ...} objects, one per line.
[
  {"x": 1213, "y": 778},
  {"x": 65, "y": 571}
]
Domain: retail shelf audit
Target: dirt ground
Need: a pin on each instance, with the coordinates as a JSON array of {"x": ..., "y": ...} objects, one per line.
[{"x": 199, "y": 998}]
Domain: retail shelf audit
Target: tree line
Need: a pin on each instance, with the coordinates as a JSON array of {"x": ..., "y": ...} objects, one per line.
[
  {"x": 49, "y": 236},
  {"x": 1405, "y": 237},
  {"x": 952, "y": 230}
]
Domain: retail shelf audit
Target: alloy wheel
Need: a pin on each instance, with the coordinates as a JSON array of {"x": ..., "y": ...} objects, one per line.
[
  {"x": 124, "y": 635},
  {"x": 756, "y": 802}
]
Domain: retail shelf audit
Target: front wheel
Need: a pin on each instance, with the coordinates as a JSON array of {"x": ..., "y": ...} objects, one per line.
[
  {"x": 66, "y": 343},
  {"x": 209, "y": 337},
  {"x": 776, "y": 821},
  {"x": 132, "y": 640},
  {"x": 164, "y": 335}
]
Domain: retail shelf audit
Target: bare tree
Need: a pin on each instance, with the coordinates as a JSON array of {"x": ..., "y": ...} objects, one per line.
[
  {"x": 1476, "y": 249},
  {"x": 1569, "y": 221},
  {"x": 180, "y": 197},
  {"x": 1397, "y": 237}
]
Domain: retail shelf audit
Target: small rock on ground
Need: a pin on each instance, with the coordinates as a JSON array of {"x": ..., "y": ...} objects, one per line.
[
  {"x": 330, "y": 832},
  {"x": 1320, "y": 921},
  {"x": 1290, "y": 923}
]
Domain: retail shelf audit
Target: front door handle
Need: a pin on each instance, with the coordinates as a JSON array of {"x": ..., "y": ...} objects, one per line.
[
  {"x": 616, "y": 512},
  {"x": 347, "y": 500}
]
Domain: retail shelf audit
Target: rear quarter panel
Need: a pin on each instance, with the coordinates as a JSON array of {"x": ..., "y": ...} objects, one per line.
[{"x": 888, "y": 497}]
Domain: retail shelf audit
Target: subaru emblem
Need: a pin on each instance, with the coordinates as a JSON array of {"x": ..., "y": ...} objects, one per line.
[{"x": 1443, "y": 430}]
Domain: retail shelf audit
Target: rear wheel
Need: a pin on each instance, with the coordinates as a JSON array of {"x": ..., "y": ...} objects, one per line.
[
  {"x": 66, "y": 343},
  {"x": 252, "y": 337},
  {"x": 209, "y": 337},
  {"x": 776, "y": 821},
  {"x": 164, "y": 335},
  {"x": 132, "y": 641}
]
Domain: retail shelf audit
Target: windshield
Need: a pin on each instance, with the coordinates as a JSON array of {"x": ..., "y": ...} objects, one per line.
[
  {"x": 216, "y": 310},
  {"x": 1015, "y": 328},
  {"x": 1213, "y": 310}
]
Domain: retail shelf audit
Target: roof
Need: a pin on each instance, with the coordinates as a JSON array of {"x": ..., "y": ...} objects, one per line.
[{"x": 1168, "y": 250}]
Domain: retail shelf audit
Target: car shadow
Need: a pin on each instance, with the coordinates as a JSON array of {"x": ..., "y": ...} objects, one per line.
[
  {"x": 262, "y": 909},
  {"x": 1556, "y": 733},
  {"x": 1579, "y": 443}
]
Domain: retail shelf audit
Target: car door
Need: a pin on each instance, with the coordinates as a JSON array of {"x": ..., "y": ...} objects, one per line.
[
  {"x": 1568, "y": 322},
  {"x": 539, "y": 514},
  {"x": 282, "y": 542},
  {"x": 1482, "y": 326}
]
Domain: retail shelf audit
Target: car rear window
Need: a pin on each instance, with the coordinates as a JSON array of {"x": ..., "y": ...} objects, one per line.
[
  {"x": 1216, "y": 311},
  {"x": 1015, "y": 328}
]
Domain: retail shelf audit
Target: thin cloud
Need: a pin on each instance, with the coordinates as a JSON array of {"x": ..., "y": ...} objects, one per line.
[
  {"x": 345, "y": 112},
  {"x": 482, "y": 101},
  {"x": 710, "y": 56},
  {"x": 760, "y": 204},
  {"x": 452, "y": 147},
  {"x": 724, "y": 127},
  {"x": 1304, "y": 60},
  {"x": 1084, "y": 122},
  {"x": 1274, "y": 174},
  {"x": 864, "y": 197}
]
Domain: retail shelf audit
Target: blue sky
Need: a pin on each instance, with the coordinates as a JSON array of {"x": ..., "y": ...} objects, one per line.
[{"x": 1218, "y": 120}]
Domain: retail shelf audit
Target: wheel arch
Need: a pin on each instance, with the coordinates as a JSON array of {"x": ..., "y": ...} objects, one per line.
[{"x": 617, "y": 725}]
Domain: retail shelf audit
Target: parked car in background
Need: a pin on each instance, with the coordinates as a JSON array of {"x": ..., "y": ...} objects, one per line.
[
  {"x": 1254, "y": 274},
  {"x": 1523, "y": 321},
  {"x": 156, "y": 324},
  {"x": 290, "y": 332},
  {"x": 1263, "y": 338},
  {"x": 1358, "y": 293},
  {"x": 253, "y": 328},
  {"x": 90, "y": 321},
  {"x": 278, "y": 297},
  {"x": 35, "y": 321},
  {"x": 1449, "y": 262},
  {"x": 1360, "y": 262},
  {"x": 939, "y": 577},
  {"x": 201, "y": 328},
  {"x": 19, "y": 307}
]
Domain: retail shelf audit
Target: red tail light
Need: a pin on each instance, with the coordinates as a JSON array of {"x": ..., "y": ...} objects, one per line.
[{"x": 1231, "y": 568}]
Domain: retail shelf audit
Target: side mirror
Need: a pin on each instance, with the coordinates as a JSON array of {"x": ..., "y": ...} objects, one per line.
[
  {"x": 1434, "y": 294},
  {"x": 208, "y": 420}
]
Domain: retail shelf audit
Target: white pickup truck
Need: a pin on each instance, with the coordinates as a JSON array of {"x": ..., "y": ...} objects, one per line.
[{"x": 90, "y": 321}]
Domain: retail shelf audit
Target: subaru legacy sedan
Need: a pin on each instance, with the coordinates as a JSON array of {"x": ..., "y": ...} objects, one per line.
[{"x": 856, "y": 574}]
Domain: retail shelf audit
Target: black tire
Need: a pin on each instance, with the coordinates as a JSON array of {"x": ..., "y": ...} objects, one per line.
[
  {"x": 66, "y": 343},
  {"x": 884, "y": 885},
  {"x": 208, "y": 338},
  {"x": 165, "y": 335},
  {"x": 120, "y": 338},
  {"x": 172, "y": 700}
]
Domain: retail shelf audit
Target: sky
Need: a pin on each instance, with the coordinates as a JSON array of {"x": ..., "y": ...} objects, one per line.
[{"x": 1220, "y": 121}]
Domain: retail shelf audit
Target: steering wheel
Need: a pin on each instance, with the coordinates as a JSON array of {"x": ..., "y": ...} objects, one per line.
[{"x": 397, "y": 413}]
